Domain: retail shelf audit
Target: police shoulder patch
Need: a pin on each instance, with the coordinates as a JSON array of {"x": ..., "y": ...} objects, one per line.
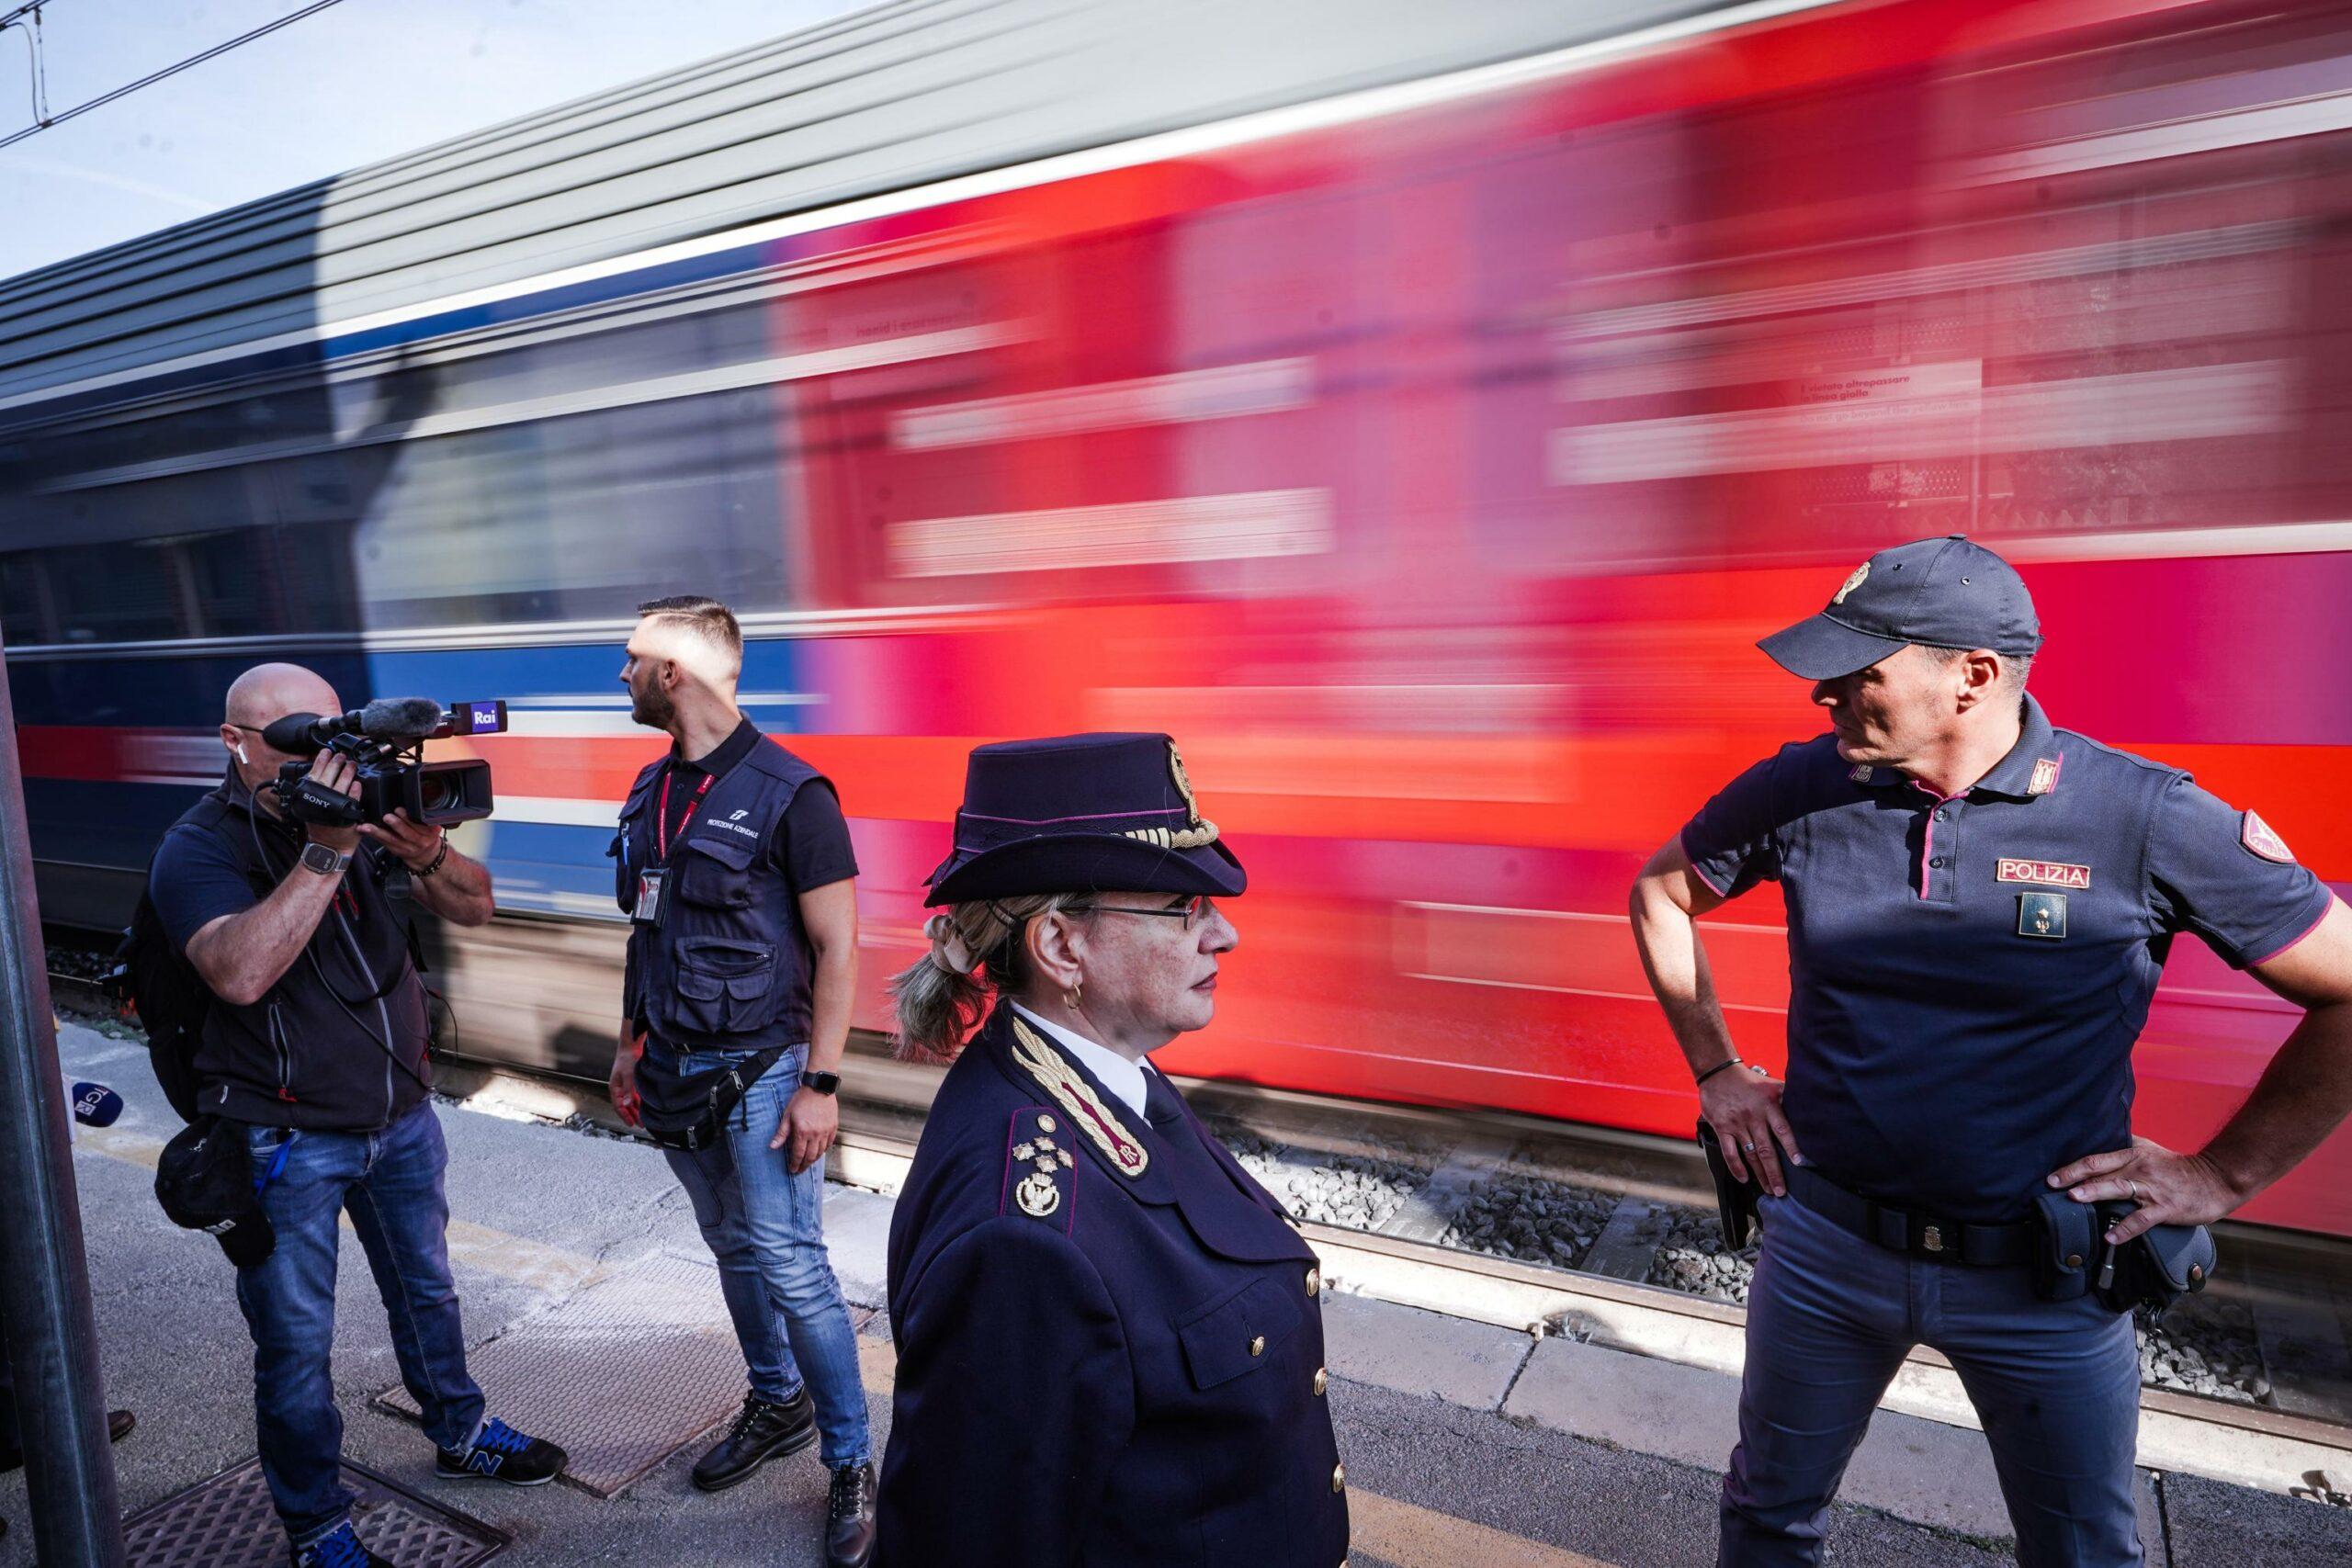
[
  {"x": 2259, "y": 836},
  {"x": 1040, "y": 1173}
]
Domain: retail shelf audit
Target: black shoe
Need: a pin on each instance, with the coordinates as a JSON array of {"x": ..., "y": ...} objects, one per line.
[
  {"x": 501, "y": 1453},
  {"x": 765, "y": 1431},
  {"x": 339, "y": 1548},
  {"x": 849, "y": 1517},
  {"x": 118, "y": 1425}
]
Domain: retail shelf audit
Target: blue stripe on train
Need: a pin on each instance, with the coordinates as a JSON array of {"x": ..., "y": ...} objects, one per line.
[{"x": 187, "y": 693}]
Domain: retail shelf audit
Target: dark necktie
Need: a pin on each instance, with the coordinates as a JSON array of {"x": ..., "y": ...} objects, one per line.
[{"x": 1161, "y": 1107}]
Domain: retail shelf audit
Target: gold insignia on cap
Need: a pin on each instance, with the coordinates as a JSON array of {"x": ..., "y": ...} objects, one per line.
[
  {"x": 1199, "y": 834},
  {"x": 1078, "y": 1098},
  {"x": 1860, "y": 573},
  {"x": 1183, "y": 785}
]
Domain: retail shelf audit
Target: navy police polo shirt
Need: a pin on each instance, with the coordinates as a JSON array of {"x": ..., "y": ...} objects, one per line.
[{"x": 1967, "y": 975}]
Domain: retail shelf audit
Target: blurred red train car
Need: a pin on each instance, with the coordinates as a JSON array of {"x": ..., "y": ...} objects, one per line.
[{"x": 1427, "y": 458}]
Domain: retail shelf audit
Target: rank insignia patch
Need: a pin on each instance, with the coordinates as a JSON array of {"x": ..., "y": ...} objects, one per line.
[
  {"x": 2042, "y": 915},
  {"x": 1039, "y": 1181},
  {"x": 2259, "y": 836},
  {"x": 2045, "y": 775},
  {"x": 1859, "y": 772}
]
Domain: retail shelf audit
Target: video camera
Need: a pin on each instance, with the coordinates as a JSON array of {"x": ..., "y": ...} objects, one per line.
[{"x": 386, "y": 742}]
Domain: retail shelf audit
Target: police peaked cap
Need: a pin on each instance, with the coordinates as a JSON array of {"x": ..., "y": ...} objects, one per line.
[{"x": 1081, "y": 814}]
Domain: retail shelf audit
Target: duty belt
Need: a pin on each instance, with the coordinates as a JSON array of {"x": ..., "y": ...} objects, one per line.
[{"x": 1919, "y": 1234}]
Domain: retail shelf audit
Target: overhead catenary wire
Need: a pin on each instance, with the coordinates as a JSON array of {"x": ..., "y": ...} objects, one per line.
[{"x": 153, "y": 77}]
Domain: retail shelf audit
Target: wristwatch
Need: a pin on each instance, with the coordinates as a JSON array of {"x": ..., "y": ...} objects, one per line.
[
  {"x": 326, "y": 862},
  {"x": 823, "y": 1083}
]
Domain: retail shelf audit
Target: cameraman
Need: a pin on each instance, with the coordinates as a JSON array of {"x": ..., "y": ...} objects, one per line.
[{"x": 316, "y": 1045}]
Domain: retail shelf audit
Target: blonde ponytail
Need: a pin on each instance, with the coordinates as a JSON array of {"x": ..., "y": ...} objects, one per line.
[{"x": 976, "y": 954}]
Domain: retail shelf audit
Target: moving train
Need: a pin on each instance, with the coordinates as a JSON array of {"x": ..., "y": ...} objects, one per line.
[{"x": 1418, "y": 411}]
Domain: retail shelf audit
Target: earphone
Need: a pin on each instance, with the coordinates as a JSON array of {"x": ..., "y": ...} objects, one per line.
[{"x": 240, "y": 753}]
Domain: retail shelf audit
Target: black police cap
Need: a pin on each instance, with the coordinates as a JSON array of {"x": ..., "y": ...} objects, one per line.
[{"x": 1947, "y": 593}]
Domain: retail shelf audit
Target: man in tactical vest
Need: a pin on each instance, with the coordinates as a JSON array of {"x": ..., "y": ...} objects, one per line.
[{"x": 734, "y": 864}]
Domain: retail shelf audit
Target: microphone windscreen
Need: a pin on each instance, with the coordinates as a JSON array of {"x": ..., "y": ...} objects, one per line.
[
  {"x": 400, "y": 718},
  {"x": 96, "y": 1105}
]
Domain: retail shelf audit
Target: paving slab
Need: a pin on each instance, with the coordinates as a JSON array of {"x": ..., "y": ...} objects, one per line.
[
  {"x": 1916, "y": 1470},
  {"x": 2211, "y": 1523},
  {"x": 1413, "y": 1351},
  {"x": 1583, "y": 1502}
]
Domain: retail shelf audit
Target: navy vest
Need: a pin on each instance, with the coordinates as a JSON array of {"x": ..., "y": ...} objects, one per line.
[{"x": 726, "y": 964}]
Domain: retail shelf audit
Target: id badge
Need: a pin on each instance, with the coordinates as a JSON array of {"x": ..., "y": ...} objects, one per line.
[{"x": 649, "y": 897}]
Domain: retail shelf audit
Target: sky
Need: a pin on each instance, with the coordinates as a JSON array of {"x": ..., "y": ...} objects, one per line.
[{"x": 361, "y": 80}]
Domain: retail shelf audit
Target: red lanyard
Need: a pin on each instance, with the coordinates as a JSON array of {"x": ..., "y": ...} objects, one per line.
[{"x": 661, "y": 814}]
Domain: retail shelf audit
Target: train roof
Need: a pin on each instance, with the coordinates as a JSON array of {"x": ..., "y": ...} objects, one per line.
[{"x": 895, "y": 96}]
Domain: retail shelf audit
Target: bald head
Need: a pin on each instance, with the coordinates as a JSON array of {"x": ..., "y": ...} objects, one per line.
[{"x": 267, "y": 692}]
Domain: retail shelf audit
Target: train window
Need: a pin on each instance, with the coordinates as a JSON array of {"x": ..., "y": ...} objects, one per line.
[
  {"x": 129, "y": 593},
  {"x": 576, "y": 518},
  {"x": 27, "y": 607}
]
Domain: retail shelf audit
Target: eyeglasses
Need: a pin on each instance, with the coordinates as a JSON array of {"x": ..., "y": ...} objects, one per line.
[{"x": 1190, "y": 912}]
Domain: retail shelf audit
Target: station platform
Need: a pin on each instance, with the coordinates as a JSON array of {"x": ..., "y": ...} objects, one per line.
[{"x": 594, "y": 1318}]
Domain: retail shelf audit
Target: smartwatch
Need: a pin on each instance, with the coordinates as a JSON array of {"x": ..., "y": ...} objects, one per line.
[
  {"x": 326, "y": 862},
  {"x": 823, "y": 1083}
]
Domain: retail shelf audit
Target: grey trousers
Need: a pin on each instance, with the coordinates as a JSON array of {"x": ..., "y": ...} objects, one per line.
[{"x": 1829, "y": 1319}]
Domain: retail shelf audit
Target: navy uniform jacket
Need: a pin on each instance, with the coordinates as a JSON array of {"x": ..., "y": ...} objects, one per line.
[{"x": 1110, "y": 1340}]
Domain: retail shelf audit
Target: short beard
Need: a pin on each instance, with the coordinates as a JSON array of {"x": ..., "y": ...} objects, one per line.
[{"x": 654, "y": 708}]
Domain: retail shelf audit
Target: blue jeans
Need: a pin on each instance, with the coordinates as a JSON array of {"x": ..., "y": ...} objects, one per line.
[
  {"x": 390, "y": 1181},
  {"x": 765, "y": 1226},
  {"x": 1829, "y": 1319}
]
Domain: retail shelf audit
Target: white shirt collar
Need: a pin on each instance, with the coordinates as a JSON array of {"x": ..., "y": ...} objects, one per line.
[{"x": 1121, "y": 1076}]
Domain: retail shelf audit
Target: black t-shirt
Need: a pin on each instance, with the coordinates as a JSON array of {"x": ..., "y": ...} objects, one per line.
[
  {"x": 809, "y": 842},
  {"x": 339, "y": 1042}
]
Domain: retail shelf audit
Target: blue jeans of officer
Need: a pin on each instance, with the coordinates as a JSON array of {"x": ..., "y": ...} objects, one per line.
[
  {"x": 765, "y": 1226},
  {"x": 1829, "y": 1319},
  {"x": 391, "y": 1183}
]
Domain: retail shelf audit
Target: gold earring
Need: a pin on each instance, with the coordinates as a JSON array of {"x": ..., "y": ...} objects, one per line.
[{"x": 1076, "y": 994}]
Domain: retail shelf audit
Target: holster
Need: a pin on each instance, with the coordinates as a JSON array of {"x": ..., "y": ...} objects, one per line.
[
  {"x": 2154, "y": 1269},
  {"x": 705, "y": 1123},
  {"x": 1735, "y": 1198}
]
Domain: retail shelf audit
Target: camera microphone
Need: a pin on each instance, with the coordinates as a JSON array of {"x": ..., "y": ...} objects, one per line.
[
  {"x": 399, "y": 718},
  {"x": 96, "y": 1105}
]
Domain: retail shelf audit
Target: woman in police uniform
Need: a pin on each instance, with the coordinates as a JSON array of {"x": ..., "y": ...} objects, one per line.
[{"x": 1110, "y": 1339}]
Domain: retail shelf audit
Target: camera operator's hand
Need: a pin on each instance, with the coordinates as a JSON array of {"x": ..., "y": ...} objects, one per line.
[
  {"x": 417, "y": 846},
  {"x": 336, "y": 772}
]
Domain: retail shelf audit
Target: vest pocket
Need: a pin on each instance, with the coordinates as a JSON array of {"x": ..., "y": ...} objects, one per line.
[
  {"x": 716, "y": 872},
  {"x": 726, "y": 987}
]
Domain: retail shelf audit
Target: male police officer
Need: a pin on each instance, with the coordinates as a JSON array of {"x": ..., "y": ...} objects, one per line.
[
  {"x": 734, "y": 863},
  {"x": 315, "y": 1044},
  {"x": 1978, "y": 908}
]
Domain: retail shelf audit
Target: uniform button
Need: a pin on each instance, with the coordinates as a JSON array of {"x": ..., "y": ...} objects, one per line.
[
  {"x": 2073, "y": 1260},
  {"x": 1322, "y": 1378},
  {"x": 1258, "y": 1345},
  {"x": 1314, "y": 1281},
  {"x": 1339, "y": 1478},
  {"x": 1938, "y": 863}
]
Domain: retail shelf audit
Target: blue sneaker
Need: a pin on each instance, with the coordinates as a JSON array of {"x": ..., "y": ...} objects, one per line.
[
  {"x": 501, "y": 1453},
  {"x": 339, "y": 1548}
]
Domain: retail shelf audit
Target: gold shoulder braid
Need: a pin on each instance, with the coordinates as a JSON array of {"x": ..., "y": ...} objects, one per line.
[{"x": 1073, "y": 1094}]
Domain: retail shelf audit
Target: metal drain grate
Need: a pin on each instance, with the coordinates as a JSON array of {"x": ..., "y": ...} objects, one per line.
[
  {"x": 227, "y": 1522},
  {"x": 621, "y": 1375}
]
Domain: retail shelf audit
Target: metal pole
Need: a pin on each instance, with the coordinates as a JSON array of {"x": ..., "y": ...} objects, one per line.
[{"x": 44, "y": 1279}]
